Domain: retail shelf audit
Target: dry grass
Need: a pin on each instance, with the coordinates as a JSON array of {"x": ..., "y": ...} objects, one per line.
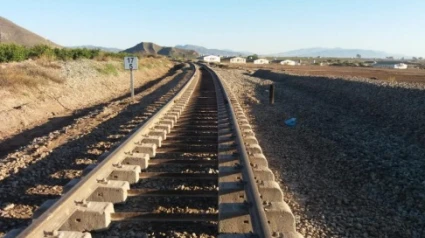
[
  {"x": 392, "y": 79},
  {"x": 48, "y": 62},
  {"x": 103, "y": 57},
  {"x": 108, "y": 69},
  {"x": 26, "y": 75},
  {"x": 152, "y": 62}
]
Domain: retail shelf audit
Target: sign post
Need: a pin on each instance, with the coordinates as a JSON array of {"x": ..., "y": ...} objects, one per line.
[{"x": 131, "y": 63}]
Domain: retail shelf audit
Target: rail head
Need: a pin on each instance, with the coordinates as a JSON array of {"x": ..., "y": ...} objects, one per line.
[
  {"x": 258, "y": 216},
  {"x": 53, "y": 218}
]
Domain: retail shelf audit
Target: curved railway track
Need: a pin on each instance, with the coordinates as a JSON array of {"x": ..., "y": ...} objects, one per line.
[{"x": 194, "y": 169}]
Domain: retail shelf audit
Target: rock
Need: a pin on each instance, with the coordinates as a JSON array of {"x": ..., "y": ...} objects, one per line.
[
  {"x": 359, "y": 226},
  {"x": 9, "y": 206}
]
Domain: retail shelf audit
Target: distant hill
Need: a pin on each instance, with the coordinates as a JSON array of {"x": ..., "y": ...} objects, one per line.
[
  {"x": 12, "y": 33},
  {"x": 336, "y": 52},
  {"x": 107, "y": 49},
  {"x": 205, "y": 51},
  {"x": 154, "y": 49}
]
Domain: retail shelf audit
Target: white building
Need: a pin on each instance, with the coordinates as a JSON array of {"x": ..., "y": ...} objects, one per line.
[
  {"x": 211, "y": 58},
  {"x": 390, "y": 65},
  {"x": 400, "y": 66},
  {"x": 237, "y": 60},
  {"x": 261, "y": 61},
  {"x": 288, "y": 62}
]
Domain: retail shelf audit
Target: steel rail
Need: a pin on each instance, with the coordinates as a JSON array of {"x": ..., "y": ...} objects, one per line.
[
  {"x": 54, "y": 217},
  {"x": 258, "y": 216}
]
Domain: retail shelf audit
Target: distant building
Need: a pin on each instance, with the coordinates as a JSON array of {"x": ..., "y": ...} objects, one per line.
[
  {"x": 261, "y": 61},
  {"x": 210, "y": 58},
  {"x": 288, "y": 62},
  {"x": 237, "y": 60},
  {"x": 400, "y": 66},
  {"x": 234, "y": 60},
  {"x": 390, "y": 65}
]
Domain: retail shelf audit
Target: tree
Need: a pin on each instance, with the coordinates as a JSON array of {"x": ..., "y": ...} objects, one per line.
[
  {"x": 420, "y": 58},
  {"x": 252, "y": 57},
  {"x": 358, "y": 56}
]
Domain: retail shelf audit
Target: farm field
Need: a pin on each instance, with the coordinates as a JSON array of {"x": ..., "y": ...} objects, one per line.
[{"x": 408, "y": 75}]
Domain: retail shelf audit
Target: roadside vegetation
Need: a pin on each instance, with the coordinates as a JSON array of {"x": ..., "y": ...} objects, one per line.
[
  {"x": 17, "y": 53},
  {"x": 108, "y": 69},
  {"x": 45, "y": 61},
  {"x": 27, "y": 75}
]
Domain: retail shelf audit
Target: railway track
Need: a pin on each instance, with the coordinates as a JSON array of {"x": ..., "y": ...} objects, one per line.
[{"x": 194, "y": 169}]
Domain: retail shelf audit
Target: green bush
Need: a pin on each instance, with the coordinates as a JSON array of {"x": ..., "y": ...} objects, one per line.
[
  {"x": 108, "y": 69},
  {"x": 12, "y": 52},
  {"x": 40, "y": 50}
]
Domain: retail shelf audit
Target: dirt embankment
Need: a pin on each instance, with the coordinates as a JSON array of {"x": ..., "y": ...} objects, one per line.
[
  {"x": 353, "y": 165},
  {"x": 34, "y": 92}
]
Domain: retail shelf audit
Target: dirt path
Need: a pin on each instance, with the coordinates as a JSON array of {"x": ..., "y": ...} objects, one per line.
[
  {"x": 37, "y": 171},
  {"x": 353, "y": 165}
]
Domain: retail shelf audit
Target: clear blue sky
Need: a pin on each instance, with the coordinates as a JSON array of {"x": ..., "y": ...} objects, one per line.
[{"x": 260, "y": 26}]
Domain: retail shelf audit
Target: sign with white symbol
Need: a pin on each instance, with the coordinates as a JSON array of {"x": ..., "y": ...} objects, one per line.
[{"x": 131, "y": 63}]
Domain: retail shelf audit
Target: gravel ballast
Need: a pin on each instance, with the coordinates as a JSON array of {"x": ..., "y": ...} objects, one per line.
[{"x": 353, "y": 166}]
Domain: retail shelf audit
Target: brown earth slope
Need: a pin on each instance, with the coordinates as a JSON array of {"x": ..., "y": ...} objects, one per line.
[
  {"x": 12, "y": 33},
  {"x": 55, "y": 90}
]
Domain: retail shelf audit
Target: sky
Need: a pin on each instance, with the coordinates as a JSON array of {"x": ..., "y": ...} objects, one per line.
[{"x": 260, "y": 26}]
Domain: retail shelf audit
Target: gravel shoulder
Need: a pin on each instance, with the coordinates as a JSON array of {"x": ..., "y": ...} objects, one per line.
[
  {"x": 353, "y": 165},
  {"x": 38, "y": 171}
]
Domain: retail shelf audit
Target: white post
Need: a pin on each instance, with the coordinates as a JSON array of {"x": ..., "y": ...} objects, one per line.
[
  {"x": 131, "y": 84},
  {"x": 131, "y": 63}
]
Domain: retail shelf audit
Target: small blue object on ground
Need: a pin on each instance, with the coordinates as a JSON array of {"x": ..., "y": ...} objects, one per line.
[{"x": 291, "y": 122}]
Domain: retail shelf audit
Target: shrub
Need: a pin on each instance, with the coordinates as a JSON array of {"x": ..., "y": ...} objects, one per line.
[
  {"x": 12, "y": 52},
  {"x": 39, "y": 51},
  {"x": 392, "y": 79},
  {"x": 108, "y": 69}
]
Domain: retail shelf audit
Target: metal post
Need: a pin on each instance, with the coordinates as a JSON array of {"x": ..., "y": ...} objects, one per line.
[
  {"x": 271, "y": 95},
  {"x": 131, "y": 84}
]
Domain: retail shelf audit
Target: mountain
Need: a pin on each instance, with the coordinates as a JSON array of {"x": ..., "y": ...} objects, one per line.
[
  {"x": 150, "y": 48},
  {"x": 205, "y": 51},
  {"x": 107, "y": 49},
  {"x": 336, "y": 52},
  {"x": 12, "y": 33}
]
